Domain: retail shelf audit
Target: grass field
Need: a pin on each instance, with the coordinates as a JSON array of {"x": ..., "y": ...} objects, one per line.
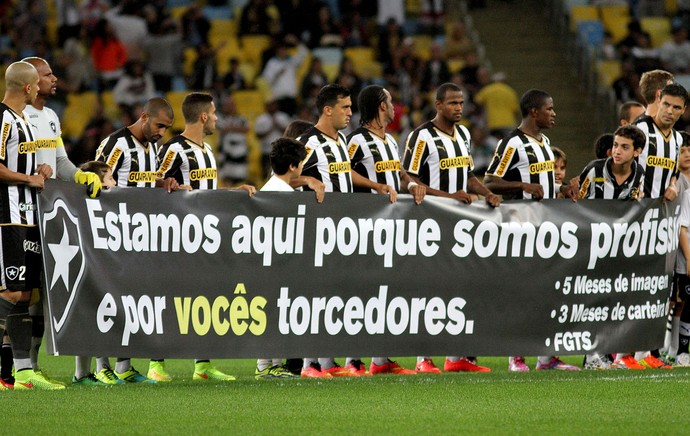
[{"x": 620, "y": 402}]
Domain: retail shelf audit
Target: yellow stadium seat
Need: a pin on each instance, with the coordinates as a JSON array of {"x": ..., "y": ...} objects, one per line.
[
  {"x": 110, "y": 108},
  {"x": 177, "y": 11},
  {"x": 175, "y": 99},
  {"x": 615, "y": 19},
  {"x": 77, "y": 113},
  {"x": 671, "y": 7},
  {"x": 331, "y": 71},
  {"x": 249, "y": 71},
  {"x": 189, "y": 57},
  {"x": 223, "y": 28},
  {"x": 361, "y": 57},
  {"x": 659, "y": 29},
  {"x": 455, "y": 65},
  {"x": 225, "y": 50},
  {"x": 582, "y": 13},
  {"x": 608, "y": 72},
  {"x": 250, "y": 103},
  {"x": 421, "y": 45},
  {"x": 253, "y": 46}
]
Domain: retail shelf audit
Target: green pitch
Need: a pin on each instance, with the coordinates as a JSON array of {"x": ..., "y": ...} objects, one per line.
[{"x": 610, "y": 402}]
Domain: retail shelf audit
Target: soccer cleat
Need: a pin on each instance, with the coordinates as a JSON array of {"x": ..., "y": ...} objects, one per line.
[
  {"x": 339, "y": 371},
  {"x": 427, "y": 366},
  {"x": 133, "y": 376},
  {"x": 652, "y": 362},
  {"x": 29, "y": 379},
  {"x": 6, "y": 384},
  {"x": 47, "y": 377},
  {"x": 517, "y": 364},
  {"x": 107, "y": 376},
  {"x": 683, "y": 360},
  {"x": 87, "y": 380},
  {"x": 357, "y": 369},
  {"x": 596, "y": 362},
  {"x": 556, "y": 363},
  {"x": 464, "y": 365},
  {"x": 274, "y": 372},
  {"x": 389, "y": 367},
  {"x": 629, "y": 362},
  {"x": 157, "y": 372},
  {"x": 205, "y": 371},
  {"x": 314, "y": 371}
]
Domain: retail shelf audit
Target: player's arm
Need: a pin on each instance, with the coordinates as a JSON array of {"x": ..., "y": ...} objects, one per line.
[
  {"x": 415, "y": 189},
  {"x": 671, "y": 192},
  {"x": 474, "y": 186},
  {"x": 64, "y": 167},
  {"x": 169, "y": 167},
  {"x": 310, "y": 182},
  {"x": 364, "y": 182},
  {"x": 14, "y": 178}
]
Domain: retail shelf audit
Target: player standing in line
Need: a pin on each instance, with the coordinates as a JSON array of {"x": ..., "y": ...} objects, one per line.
[
  {"x": 50, "y": 150},
  {"x": 374, "y": 155},
  {"x": 190, "y": 161},
  {"x": 513, "y": 174},
  {"x": 131, "y": 153},
  {"x": 659, "y": 160},
  {"x": 20, "y": 263},
  {"x": 328, "y": 162},
  {"x": 437, "y": 156},
  {"x": 629, "y": 112},
  {"x": 651, "y": 84}
]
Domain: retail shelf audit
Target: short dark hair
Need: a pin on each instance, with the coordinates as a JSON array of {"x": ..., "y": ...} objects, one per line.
[
  {"x": 624, "y": 110},
  {"x": 368, "y": 102},
  {"x": 651, "y": 82},
  {"x": 286, "y": 152},
  {"x": 296, "y": 127},
  {"x": 603, "y": 144},
  {"x": 443, "y": 90},
  {"x": 686, "y": 139},
  {"x": 559, "y": 154},
  {"x": 675, "y": 90},
  {"x": 157, "y": 104},
  {"x": 632, "y": 132},
  {"x": 194, "y": 104},
  {"x": 532, "y": 99},
  {"x": 97, "y": 167},
  {"x": 329, "y": 95}
]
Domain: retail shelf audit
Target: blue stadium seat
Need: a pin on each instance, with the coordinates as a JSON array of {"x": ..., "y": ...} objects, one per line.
[{"x": 591, "y": 33}]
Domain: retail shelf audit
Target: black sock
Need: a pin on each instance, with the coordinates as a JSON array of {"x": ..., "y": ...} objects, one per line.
[{"x": 6, "y": 361}]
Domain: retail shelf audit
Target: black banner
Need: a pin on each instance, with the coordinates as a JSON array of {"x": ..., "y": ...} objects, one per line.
[{"x": 143, "y": 272}]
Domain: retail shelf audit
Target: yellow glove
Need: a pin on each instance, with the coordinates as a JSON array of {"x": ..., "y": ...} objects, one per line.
[{"x": 91, "y": 180}]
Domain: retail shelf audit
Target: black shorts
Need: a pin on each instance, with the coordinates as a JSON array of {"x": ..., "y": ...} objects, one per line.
[
  {"x": 681, "y": 288},
  {"x": 20, "y": 259}
]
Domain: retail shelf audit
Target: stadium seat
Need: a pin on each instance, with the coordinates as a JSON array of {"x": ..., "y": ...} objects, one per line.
[
  {"x": 222, "y": 28},
  {"x": 77, "y": 113},
  {"x": 175, "y": 99},
  {"x": 250, "y": 103},
  {"x": 608, "y": 72},
  {"x": 361, "y": 57},
  {"x": 253, "y": 46},
  {"x": 217, "y": 12},
  {"x": 249, "y": 71},
  {"x": 226, "y": 49},
  {"x": 671, "y": 7},
  {"x": 331, "y": 58},
  {"x": 455, "y": 65},
  {"x": 659, "y": 29},
  {"x": 591, "y": 33},
  {"x": 615, "y": 19},
  {"x": 110, "y": 108},
  {"x": 421, "y": 45},
  {"x": 582, "y": 13},
  {"x": 188, "y": 59}
]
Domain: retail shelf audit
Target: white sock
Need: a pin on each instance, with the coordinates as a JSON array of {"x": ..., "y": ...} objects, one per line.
[
  {"x": 544, "y": 359},
  {"x": 308, "y": 362},
  {"x": 122, "y": 365},
  {"x": 351, "y": 359},
  {"x": 82, "y": 366},
  {"x": 639, "y": 355},
  {"x": 102, "y": 363},
  {"x": 379, "y": 360},
  {"x": 327, "y": 362},
  {"x": 277, "y": 361},
  {"x": 421, "y": 358},
  {"x": 454, "y": 358},
  {"x": 262, "y": 364},
  {"x": 675, "y": 328}
]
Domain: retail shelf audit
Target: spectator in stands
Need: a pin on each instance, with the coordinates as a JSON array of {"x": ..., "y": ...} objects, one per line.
[
  {"x": 469, "y": 72},
  {"x": 643, "y": 56},
  {"x": 69, "y": 23},
  {"x": 354, "y": 31},
  {"x": 631, "y": 39},
  {"x": 268, "y": 127},
  {"x": 91, "y": 12},
  {"x": 134, "y": 87},
  {"x": 31, "y": 28},
  {"x": 281, "y": 73},
  {"x": 675, "y": 53},
  {"x": 97, "y": 128},
  {"x": 204, "y": 72},
  {"x": 348, "y": 78},
  {"x": 232, "y": 147},
  {"x": 501, "y": 105},
  {"x": 626, "y": 86},
  {"x": 483, "y": 147},
  {"x": 436, "y": 70},
  {"x": 195, "y": 26},
  {"x": 74, "y": 63},
  {"x": 390, "y": 38},
  {"x": 458, "y": 44},
  {"x": 108, "y": 54},
  {"x": 234, "y": 79},
  {"x": 164, "y": 55},
  {"x": 260, "y": 17},
  {"x": 323, "y": 31},
  {"x": 315, "y": 78},
  {"x": 130, "y": 28}
]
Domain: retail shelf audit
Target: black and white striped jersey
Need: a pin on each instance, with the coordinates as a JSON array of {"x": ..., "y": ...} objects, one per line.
[
  {"x": 133, "y": 163},
  {"x": 439, "y": 160},
  {"x": 327, "y": 160},
  {"x": 597, "y": 181},
  {"x": 659, "y": 157},
  {"x": 374, "y": 157},
  {"x": 18, "y": 153},
  {"x": 522, "y": 158},
  {"x": 189, "y": 163}
]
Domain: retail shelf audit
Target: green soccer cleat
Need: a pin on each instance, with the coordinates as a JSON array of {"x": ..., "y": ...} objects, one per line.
[
  {"x": 204, "y": 371},
  {"x": 133, "y": 376},
  {"x": 47, "y": 377},
  {"x": 107, "y": 376},
  {"x": 157, "y": 372},
  {"x": 274, "y": 372},
  {"x": 29, "y": 379},
  {"x": 87, "y": 380}
]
